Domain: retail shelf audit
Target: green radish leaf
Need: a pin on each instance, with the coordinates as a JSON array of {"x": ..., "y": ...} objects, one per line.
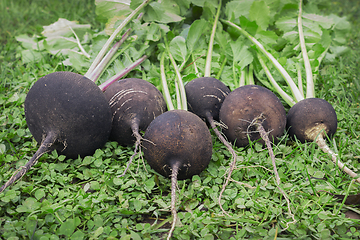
[
  {"x": 178, "y": 49},
  {"x": 267, "y": 37},
  {"x": 107, "y": 9},
  {"x": 286, "y": 24},
  {"x": 236, "y": 9},
  {"x": 195, "y": 33},
  {"x": 161, "y": 12},
  {"x": 260, "y": 13}
]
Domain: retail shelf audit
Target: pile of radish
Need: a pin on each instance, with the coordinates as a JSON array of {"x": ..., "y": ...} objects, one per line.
[
  {"x": 310, "y": 118},
  {"x": 69, "y": 113}
]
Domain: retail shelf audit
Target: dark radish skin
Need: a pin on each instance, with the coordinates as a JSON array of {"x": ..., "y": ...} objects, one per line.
[
  {"x": 247, "y": 106},
  {"x": 66, "y": 112},
  {"x": 320, "y": 119},
  {"x": 134, "y": 104},
  {"x": 252, "y": 112},
  {"x": 177, "y": 145},
  {"x": 205, "y": 96},
  {"x": 321, "y": 122}
]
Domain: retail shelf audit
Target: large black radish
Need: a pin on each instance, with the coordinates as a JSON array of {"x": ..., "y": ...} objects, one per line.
[{"x": 66, "y": 112}]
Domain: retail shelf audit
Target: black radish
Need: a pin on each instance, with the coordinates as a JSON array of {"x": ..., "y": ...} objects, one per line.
[
  {"x": 320, "y": 123},
  {"x": 205, "y": 96},
  {"x": 134, "y": 104},
  {"x": 66, "y": 112},
  {"x": 252, "y": 113},
  {"x": 249, "y": 108},
  {"x": 321, "y": 120},
  {"x": 178, "y": 146}
]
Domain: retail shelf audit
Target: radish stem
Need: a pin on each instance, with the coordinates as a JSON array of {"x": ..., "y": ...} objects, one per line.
[
  {"x": 106, "y": 60},
  {"x": 294, "y": 89},
  {"x": 179, "y": 83},
  {"x": 211, "y": 43},
  {"x": 281, "y": 92},
  {"x": 310, "y": 91},
  {"x": 116, "y": 77},
  {"x": 113, "y": 36},
  {"x": 165, "y": 87}
]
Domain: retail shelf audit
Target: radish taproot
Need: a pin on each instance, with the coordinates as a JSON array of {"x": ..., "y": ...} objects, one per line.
[
  {"x": 308, "y": 111},
  {"x": 177, "y": 144},
  {"x": 66, "y": 112},
  {"x": 134, "y": 104}
]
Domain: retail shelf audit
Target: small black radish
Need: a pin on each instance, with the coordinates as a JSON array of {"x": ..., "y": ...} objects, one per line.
[
  {"x": 205, "y": 96},
  {"x": 134, "y": 104},
  {"x": 180, "y": 140},
  {"x": 66, "y": 112},
  {"x": 321, "y": 119},
  {"x": 177, "y": 145},
  {"x": 320, "y": 122}
]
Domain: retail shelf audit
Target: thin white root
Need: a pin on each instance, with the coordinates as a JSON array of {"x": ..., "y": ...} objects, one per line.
[
  {"x": 265, "y": 137},
  {"x": 175, "y": 170},
  {"x": 323, "y": 146},
  {"x": 232, "y": 164}
]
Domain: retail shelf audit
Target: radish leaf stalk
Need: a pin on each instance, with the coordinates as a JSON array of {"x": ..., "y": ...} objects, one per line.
[
  {"x": 207, "y": 71},
  {"x": 113, "y": 36}
]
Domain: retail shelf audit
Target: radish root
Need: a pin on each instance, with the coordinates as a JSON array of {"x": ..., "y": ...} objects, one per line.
[
  {"x": 232, "y": 164},
  {"x": 136, "y": 150},
  {"x": 323, "y": 146},
  {"x": 175, "y": 171},
  {"x": 44, "y": 148}
]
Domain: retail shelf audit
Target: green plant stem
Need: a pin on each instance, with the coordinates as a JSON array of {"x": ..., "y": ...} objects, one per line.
[
  {"x": 207, "y": 71},
  {"x": 251, "y": 74},
  {"x": 282, "y": 93},
  {"x": 165, "y": 88},
  {"x": 310, "y": 90},
  {"x": 181, "y": 87},
  {"x": 113, "y": 36},
  {"x": 294, "y": 89},
  {"x": 108, "y": 58},
  {"x": 221, "y": 68}
]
